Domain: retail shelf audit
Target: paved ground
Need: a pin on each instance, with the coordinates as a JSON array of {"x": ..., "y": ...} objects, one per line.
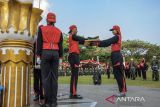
[{"x": 95, "y": 96}]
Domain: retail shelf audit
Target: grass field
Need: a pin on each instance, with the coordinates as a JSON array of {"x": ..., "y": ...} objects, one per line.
[
  {"x": 88, "y": 80},
  {"x": 105, "y": 80}
]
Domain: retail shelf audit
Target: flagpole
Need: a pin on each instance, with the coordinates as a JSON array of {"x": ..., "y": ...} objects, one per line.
[{"x": 39, "y": 3}]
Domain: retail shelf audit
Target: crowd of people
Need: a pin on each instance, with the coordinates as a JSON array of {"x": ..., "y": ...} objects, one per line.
[{"x": 133, "y": 70}]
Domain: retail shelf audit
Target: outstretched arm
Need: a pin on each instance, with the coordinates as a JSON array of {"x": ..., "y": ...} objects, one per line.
[
  {"x": 108, "y": 42},
  {"x": 81, "y": 40}
]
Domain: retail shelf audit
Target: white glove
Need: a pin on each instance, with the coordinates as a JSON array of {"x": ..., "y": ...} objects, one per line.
[
  {"x": 38, "y": 61},
  {"x": 60, "y": 61}
]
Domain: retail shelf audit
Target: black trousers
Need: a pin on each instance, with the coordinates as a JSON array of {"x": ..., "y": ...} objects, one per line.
[
  {"x": 49, "y": 67},
  {"x": 108, "y": 74},
  {"x": 74, "y": 61},
  {"x": 117, "y": 62},
  {"x": 127, "y": 73},
  {"x": 38, "y": 89},
  {"x": 144, "y": 75},
  {"x": 155, "y": 75},
  {"x": 139, "y": 72}
]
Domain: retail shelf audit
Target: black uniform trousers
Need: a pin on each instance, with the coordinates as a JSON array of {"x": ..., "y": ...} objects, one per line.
[
  {"x": 38, "y": 89},
  {"x": 117, "y": 62},
  {"x": 127, "y": 73},
  {"x": 49, "y": 67},
  {"x": 108, "y": 73},
  {"x": 74, "y": 61},
  {"x": 144, "y": 74},
  {"x": 139, "y": 72}
]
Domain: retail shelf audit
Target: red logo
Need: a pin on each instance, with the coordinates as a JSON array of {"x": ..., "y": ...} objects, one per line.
[{"x": 111, "y": 99}]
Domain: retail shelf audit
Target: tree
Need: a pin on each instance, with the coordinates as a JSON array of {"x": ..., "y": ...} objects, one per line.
[{"x": 138, "y": 49}]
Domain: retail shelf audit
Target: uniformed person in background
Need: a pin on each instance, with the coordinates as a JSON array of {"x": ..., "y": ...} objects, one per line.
[
  {"x": 155, "y": 68},
  {"x": 138, "y": 69},
  {"x": 127, "y": 70},
  {"x": 132, "y": 69},
  {"x": 108, "y": 71},
  {"x": 144, "y": 68}
]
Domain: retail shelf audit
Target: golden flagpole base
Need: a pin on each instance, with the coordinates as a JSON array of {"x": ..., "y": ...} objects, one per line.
[
  {"x": 18, "y": 28},
  {"x": 16, "y": 60}
]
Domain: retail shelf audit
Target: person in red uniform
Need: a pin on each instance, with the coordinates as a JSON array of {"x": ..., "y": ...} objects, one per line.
[
  {"x": 108, "y": 70},
  {"x": 127, "y": 70},
  {"x": 116, "y": 58},
  {"x": 74, "y": 60},
  {"x": 139, "y": 69},
  {"x": 49, "y": 50},
  {"x": 144, "y": 68}
]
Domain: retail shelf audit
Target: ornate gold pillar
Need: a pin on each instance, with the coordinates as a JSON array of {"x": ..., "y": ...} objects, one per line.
[{"x": 18, "y": 26}]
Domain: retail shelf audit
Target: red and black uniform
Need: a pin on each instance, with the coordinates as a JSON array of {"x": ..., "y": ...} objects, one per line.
[
  {"x": 50, "y": 49},
  {"x": 144, "y": 68},
  {"x": 74, "y": 60},
  {"x": 37, "y": 79},
  {"x": 116, "y": 58},
  {"x": 108, "y": 70},
  {"x": 139, "y": 69},
  {"x": 127, "y": 70}
]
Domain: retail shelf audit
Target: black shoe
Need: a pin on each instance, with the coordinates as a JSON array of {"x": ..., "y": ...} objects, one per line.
[
  {"x": 41, "y": 98},
  {"x": 75, "y": 97},
  {"x": 36, "y": 98}
]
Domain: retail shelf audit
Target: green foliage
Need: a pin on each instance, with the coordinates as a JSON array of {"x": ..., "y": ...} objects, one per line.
[
  {"x": 138, "y": 49},
  {"x": 93, "y": 52}
]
